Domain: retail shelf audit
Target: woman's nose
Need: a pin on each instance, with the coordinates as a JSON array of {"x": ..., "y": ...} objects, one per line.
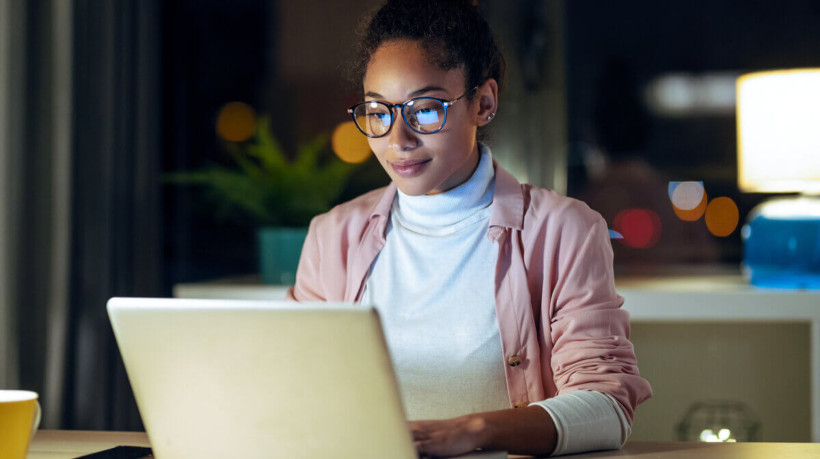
[{"x": 401, "y": 137}]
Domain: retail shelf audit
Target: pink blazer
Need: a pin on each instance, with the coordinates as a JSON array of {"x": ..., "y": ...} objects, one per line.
[{"x": 561, "y": 323}]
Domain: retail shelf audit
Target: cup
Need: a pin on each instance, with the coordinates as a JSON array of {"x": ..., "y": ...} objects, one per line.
[{"x": 19, "y": 418}]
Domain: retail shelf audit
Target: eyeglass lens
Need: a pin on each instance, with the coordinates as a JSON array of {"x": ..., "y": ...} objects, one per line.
[{"x": 423, "y": 115}]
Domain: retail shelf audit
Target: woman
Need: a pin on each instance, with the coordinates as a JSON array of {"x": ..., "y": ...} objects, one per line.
[{"x": 497, "y": 298}]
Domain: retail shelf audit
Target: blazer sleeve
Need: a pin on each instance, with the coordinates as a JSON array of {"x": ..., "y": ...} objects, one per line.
[{"x": 589, "y": 330}]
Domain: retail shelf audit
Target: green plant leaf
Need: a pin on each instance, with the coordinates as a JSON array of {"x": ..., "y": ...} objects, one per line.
[{"x": 269, "y": 188}]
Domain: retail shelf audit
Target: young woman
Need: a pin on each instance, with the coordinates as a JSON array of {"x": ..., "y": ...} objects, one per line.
[{"x": 497, "y": 298}]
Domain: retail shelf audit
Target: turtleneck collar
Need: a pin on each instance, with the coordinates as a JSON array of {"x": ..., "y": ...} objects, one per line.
[{"x": 452, "y": 210}]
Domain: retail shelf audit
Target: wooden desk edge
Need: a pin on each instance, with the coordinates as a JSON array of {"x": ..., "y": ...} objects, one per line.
[
  {"x": 73, "y": 443},
  {"x": 49, "y": 443}
]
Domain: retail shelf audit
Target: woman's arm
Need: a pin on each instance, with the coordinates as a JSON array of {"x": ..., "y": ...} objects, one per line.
[{"x": 528, "y": 430}]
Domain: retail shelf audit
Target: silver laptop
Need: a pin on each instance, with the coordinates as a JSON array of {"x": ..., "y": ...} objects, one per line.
[{"x": 260, "y": 379}]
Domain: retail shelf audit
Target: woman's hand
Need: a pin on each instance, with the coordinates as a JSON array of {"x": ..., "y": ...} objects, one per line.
[
  {"x": 447, "y": 437},
  {"x": 528, "y": 430}
]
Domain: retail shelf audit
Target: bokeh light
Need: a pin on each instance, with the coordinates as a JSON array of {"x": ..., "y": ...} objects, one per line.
[
  {"x": 686, "y": 195},
  {"x": 349, "y": 144},
  {"x": 640, "y": 228},
  {"x": 722, "y": 216},
  {"x": 615, "y": 235},
  {"x": 236, "y": 122},
  {"x": 686, "y": 94},
  {"x": 689, "y": 200}
]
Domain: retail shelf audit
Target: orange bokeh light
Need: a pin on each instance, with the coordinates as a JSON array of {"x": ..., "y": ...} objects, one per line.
[
  {"x": 349, "y": 144},
  {"x": 640, "y": 228},
  {"x": 722, "y": 216},
  {"x": 236, "y": 122}
]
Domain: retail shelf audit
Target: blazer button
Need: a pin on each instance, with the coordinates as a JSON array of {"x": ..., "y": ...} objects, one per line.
[{"x": 514, "y": 361}]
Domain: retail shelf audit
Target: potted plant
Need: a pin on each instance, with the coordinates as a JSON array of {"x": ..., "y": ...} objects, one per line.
[{"x": 280, "y": 195}]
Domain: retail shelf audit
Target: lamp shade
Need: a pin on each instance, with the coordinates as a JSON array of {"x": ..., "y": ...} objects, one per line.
[{"x": 778, "y": 121}]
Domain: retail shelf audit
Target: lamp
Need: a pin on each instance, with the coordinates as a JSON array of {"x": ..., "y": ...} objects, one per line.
[{"x": 778, "y": 121}]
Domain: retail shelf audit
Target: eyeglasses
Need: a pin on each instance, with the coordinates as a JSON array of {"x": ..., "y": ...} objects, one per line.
[{"x": 425, "y": 115}]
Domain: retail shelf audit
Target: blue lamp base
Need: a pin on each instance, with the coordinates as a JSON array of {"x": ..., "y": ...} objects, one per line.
[{"x": 781, "y": 247}]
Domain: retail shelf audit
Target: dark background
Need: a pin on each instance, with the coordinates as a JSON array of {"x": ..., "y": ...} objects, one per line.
[{"x": 215, "y": 52}]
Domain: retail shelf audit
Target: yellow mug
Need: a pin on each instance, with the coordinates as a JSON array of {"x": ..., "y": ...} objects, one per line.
[{"x": 19, "y": 418}]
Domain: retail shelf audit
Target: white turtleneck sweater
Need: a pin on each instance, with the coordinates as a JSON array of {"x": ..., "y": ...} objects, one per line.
[{"x": 433, "y": 285}]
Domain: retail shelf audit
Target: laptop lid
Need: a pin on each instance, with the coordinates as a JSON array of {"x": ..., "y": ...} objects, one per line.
[{"x": 253, "y": 379}]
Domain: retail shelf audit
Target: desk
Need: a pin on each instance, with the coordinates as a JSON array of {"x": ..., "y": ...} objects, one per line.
[
  {"x": 65, "y": 444},
  {"x": 662, "y": 450},
  {"x": 69, "y": 444}
]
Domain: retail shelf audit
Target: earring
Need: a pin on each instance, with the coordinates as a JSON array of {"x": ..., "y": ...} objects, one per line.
[{"x": 490, "y": 116}]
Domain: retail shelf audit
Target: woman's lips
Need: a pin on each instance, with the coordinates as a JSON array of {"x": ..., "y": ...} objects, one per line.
[{"x": 409, "y": 168}]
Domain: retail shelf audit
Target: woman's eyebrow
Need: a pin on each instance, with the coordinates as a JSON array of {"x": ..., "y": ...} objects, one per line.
[
  {"x": 426, "y": 89},
  {"x": 415, "y": 93}
]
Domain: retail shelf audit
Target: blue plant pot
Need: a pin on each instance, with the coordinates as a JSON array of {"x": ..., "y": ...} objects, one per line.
[{"x": 279, "y": 251}]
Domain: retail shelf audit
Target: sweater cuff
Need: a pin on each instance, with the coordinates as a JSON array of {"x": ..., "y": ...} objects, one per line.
[{"x": 586, "y": 421}]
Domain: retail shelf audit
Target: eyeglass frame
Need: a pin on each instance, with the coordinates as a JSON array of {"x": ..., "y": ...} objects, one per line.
[{"x": 445, "y": 103}]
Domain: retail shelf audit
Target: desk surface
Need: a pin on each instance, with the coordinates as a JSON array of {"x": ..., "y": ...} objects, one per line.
[{"x": 65, "y": 444}]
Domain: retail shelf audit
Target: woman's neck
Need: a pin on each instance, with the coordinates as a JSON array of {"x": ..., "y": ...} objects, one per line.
[{"x": 453, "y": 206}]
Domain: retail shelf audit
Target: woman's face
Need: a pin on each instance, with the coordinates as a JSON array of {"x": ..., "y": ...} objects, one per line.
[{"x": 424, "y": 163}]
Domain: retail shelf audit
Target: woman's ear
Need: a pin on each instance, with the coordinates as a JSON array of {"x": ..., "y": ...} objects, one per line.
[{"x": 487, "y": 96}]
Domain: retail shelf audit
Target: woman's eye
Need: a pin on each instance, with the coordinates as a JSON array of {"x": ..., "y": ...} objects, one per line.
[
  {"x": 427, "y": 116},
  {"x": 384, "y": 118}
]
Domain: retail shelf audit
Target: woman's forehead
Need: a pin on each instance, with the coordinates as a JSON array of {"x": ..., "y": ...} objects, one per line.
[{"x": 398, "y": 69}]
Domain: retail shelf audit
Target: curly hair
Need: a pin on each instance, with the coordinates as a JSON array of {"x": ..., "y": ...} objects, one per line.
[{"x": 452, "y": 33}]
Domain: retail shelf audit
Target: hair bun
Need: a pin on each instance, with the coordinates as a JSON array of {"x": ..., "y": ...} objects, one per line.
[{"x": 453, "y": 33}]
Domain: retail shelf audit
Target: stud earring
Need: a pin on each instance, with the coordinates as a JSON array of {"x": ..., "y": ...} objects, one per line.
[{"x": 490, "y": 116}]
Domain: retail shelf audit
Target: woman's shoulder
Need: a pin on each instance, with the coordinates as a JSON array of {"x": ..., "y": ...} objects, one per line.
[
  {"x": 533, "y": 206},
  {"x": 544, "y": 205},
  {"x": 561, "y": 228}
]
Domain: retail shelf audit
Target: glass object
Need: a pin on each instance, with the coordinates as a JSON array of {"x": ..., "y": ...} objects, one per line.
[
  {"x": 718, "y": 421},
  {"x": 782, "y": 244}
]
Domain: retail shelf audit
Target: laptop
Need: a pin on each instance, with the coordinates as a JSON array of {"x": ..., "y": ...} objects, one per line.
[{"x": 261, "y": 379}]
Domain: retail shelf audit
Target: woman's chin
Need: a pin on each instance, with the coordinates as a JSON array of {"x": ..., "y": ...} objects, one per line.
[
  {"x": 413, "y": 191},
  {"x": 414, "y": 186}
]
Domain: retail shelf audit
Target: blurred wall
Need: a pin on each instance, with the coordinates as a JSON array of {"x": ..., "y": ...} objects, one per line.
[{"x": 764, "y": 366}]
